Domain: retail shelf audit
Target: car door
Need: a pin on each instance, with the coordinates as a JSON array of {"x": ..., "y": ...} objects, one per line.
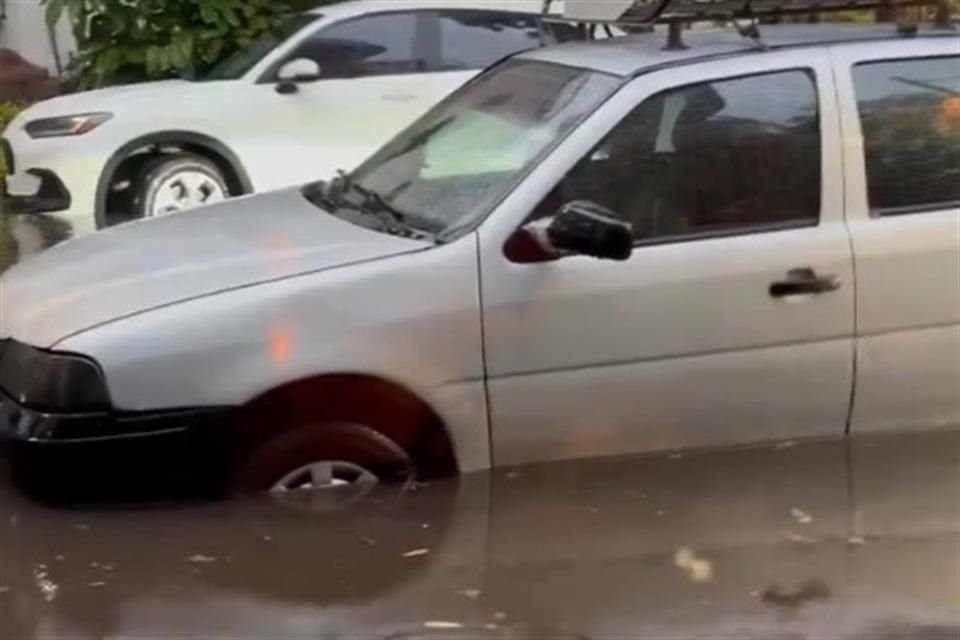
[
  {"x": 732, "y": 322},
  {"x": 901, "y": 121},
  {"x": 371, "y": 86}
]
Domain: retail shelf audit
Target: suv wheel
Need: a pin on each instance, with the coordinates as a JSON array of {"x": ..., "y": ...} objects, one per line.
[
  {"x": 173, "y": 183},
  {"x": 322, "y": 456}
]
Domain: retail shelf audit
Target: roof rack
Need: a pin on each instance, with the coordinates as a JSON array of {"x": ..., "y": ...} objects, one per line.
[
  {"x": 642, "y": 15},
  {"x": 646, "y": 12}
]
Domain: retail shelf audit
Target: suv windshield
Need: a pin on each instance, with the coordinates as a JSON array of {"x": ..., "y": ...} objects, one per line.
[
  {"x": 237, "y": 65},
  {"x": 448, "y": 168}
]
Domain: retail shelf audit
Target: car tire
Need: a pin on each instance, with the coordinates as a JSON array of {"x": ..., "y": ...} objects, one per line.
[
  {"x": 352, "y": 446},
  {"x": 177, "y": 182}
]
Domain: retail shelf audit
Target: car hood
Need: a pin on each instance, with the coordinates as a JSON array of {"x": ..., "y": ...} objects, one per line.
[
  {"x": 129, "y": 98},
  {"x": 144, "y": 265}
]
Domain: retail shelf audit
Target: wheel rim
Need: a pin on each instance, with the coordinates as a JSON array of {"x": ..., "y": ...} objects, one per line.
[
  {"x": 325, "y": 474},
  {"x": 185, "y": 190}
]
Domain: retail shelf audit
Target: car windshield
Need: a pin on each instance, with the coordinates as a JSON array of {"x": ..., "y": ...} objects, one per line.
[
  {"x": 245, "y": 59},
  {"x": 446, "y": 170}
]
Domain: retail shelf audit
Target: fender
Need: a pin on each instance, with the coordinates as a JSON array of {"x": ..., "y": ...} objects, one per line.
[{"x": 165, "y": 137}]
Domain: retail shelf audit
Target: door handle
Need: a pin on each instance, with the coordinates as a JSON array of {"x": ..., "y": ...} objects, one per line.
[{"x": 803, "y": 281}]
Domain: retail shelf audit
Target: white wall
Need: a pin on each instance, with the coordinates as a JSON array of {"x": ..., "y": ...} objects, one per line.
[{"x": 25, "y": 31}]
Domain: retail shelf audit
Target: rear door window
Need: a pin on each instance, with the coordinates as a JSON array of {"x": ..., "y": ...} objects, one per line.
[
  {"x": 910, "y": 117},
  {"x": 475, "y": 39}
]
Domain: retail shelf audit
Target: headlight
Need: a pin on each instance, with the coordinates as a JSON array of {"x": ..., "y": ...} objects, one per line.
[
  {"x": 75, "y": 125},
  {"x": 47, "y": 380}
]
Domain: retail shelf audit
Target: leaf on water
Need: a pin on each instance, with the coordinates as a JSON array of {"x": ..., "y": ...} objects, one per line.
[
  {"x": 416, "y": 553},
  {"x": 473, "y": 594},
  {"x": 801, "y": 516},
  {"x": 856, "y": 540},
  {"x": 96, "y": 584}
]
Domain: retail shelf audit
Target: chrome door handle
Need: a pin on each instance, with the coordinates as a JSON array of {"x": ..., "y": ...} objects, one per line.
[{"x": 803, "y": 281}]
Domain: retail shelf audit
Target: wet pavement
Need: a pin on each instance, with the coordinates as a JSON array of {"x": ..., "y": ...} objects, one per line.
[{"x": 842, "y": 539}]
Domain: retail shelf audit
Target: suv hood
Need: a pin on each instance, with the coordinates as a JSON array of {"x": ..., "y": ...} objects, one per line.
[
  {"x": 152, "y": 263},
  {"x": 132, "y": 97}
]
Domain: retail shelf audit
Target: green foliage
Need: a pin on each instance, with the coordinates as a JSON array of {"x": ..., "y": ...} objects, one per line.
[
  {"x": 133, "y": 40},
  {"x": 8, "y": 111}
]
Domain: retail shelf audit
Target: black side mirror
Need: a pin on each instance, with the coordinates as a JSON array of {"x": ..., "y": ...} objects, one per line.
[{"x": 579, "y": 228}]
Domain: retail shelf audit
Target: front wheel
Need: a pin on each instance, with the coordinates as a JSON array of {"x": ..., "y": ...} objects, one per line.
[
  {"x": 322, "y": 456},
  {"x": 179, "y": 182}
]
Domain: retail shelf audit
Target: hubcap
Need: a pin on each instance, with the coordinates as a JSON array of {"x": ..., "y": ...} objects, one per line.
[
  {"x": 325, "y": 474},
  {"x": 185, "y": 190}
]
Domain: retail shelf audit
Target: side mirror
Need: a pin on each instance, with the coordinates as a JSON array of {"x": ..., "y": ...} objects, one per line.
[
  {"x": 579, "y": 228},
  {"x": 295, "y": 72}
]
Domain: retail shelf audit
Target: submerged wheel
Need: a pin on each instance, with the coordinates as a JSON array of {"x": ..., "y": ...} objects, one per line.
[{"x": 322, "y": 456}]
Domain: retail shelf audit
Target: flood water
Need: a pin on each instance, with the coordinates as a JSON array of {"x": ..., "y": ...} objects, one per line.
[{"x": 842, "y": 539}]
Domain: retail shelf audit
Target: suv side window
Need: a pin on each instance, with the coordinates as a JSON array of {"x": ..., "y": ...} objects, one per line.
[
  {"x": 374, "y": 45},
  {"x": 910, "y": 116},
  {"x": 729, "y": 156},
  {"x": 475, "y": 39}
]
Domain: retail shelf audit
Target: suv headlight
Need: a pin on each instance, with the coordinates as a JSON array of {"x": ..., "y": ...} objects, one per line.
[{"x": 75, "y": 125}]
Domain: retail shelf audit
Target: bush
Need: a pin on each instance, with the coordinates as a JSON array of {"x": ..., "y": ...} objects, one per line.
[
  {"x": 8, "y": 111},
  {"x": 123, "y": 41}
]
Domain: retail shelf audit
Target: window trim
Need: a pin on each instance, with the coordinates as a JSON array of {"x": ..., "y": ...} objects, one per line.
[
  {"x": 269, "y": 74},
  {"x": 427, "y": 22},
  {"x": 891, "y": 212},
  {"x": 753, "y": 229}
]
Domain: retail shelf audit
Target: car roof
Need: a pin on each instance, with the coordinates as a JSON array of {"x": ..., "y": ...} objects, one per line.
[
  {"x": 349, "y": 8},
  {"x": 633, "y": 54}
]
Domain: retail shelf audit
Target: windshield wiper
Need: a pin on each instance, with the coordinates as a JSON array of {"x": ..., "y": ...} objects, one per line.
[{"x": 393, "y": 220}]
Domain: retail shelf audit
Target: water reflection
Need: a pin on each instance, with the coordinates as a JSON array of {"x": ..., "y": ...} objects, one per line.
[
  {"x": 598, "y": 549},
  {"x": 22, "y": 236}
]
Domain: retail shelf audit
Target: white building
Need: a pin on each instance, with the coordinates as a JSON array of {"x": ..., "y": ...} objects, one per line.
[{"x": 23, "y": 29}]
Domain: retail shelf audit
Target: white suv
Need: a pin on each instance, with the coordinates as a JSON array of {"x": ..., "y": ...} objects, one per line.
[
  {"x": 591, "y": 249},
  {"x": 331, "y": 88}
]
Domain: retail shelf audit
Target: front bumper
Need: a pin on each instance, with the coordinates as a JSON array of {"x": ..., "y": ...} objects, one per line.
[
  {"x": 51, "y": 195},
  {"x": 100, "y": 451},
  {"x": 110, "y": 455},
  {"x": 56, "y": 177}
]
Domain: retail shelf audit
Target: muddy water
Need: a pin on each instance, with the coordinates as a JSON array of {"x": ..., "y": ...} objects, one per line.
[{"x": 855, "y": 539}]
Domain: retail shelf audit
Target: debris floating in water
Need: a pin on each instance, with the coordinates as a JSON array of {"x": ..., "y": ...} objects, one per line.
[
  {"x": 801, "y": 516},
  {"x": 699, "y": 570},
  {"x": 856, "y": 540},
  {"x": 473, "y": 594},
  {"x": 802, "y": 539},
  {"x": 416, "y": 553},
  {"x": 500, "y": 615},
  {"x": 201, "y": 559},
  {"x": 369, "y": 541},
  {"x": 96, "y": 584},
  {"x": 784, "y": 445},
  {"x": 442, "y": 624}
]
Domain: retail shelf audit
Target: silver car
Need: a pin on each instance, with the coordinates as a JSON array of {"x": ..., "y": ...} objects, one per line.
[{"x": 591, "y": 249}]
